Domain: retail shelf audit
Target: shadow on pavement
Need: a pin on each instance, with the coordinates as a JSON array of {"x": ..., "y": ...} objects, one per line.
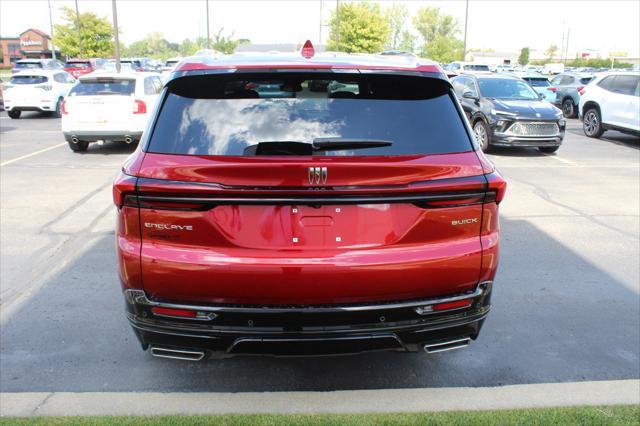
[
  {"x": 555, "y": 318},
  {"x": 110, "y": 147}
]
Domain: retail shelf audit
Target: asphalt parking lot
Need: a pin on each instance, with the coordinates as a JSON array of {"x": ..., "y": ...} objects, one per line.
[{"x": 566, "y": 304}]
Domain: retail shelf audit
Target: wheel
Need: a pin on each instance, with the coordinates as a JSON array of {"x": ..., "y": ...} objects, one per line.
[
  {"x": 548, "y": 149},
  {"x": 58, "y": 112},
  {"x": 79, "y": 146},
  {"x": 481, "y": 133},
  {"x": 591, "y": 123},
  {"x": 568, "y": 108},
  {"x": 14, "y": 113}
]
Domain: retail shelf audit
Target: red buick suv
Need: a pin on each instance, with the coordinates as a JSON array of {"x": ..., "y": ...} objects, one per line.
[{"x": 307, "y": 205}]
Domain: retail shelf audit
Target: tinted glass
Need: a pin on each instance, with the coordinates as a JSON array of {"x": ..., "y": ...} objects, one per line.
[
  {"x": 223, "y": 116},
  {"x": 28, "y": 79},
  {"x": 103, "y": 86},
  {"x": 506, "y": 88},
  {"x": 607, "y": 82},
  {"x": 476, "y": 67},
  {"x": 626, "y": 84},
  {"x": 538, "y": 82},
  {"x": 77, "y": 65},
  {"x": 28, "y": 65}
]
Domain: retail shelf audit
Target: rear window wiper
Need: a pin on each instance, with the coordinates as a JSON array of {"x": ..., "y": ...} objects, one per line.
[
  {"x": 318, "y": 145},
  {"x": 337, "y": 144}
]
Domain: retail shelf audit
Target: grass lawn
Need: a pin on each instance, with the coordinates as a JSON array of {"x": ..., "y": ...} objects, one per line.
[{"x": 607, "y": 415}]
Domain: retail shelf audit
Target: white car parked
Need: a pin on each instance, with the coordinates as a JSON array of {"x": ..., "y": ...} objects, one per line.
[
  {"x": 611, "y": 101},
  {"x": 109, "y": 106},
  {"x": 36, "y": 90}
]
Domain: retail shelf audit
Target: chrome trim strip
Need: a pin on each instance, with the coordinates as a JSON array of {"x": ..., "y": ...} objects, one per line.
[
  {"x": 446, "y": 346},
  {"x": 139, "y": 297},
  {"x": 198, "y": 355},
  {"x": 328, "y": 340}
]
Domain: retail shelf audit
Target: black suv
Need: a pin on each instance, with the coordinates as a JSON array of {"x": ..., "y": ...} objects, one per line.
[{"x": 505, "y": 111}]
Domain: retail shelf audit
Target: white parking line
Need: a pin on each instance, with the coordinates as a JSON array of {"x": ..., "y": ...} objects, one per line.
[
  {"x": 13, "y": 160},
  {"x": 360, "y": 401}
]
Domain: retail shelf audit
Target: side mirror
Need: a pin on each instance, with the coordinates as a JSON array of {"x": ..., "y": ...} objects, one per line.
[{"x": 469, "y": 95}]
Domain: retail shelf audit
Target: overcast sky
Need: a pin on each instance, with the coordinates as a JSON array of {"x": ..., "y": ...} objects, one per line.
[{"x": 603, "y": 25}]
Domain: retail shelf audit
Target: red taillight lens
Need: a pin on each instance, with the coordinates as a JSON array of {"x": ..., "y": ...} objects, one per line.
[
  {"x": 458, "y": 304},
  {"x": 139, "y": 107},
  {"x": 553, "y": 89},
  {"x": 498, "y": 185},
  {"x": 124, "y": 187},
  {"x": 63, "y": 107},
  {"x": 170, "y": 312},
  {"x": 581, "y": 90}
]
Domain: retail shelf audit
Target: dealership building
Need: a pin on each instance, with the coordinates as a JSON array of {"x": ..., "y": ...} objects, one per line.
[{"x": 31, "y": 43}]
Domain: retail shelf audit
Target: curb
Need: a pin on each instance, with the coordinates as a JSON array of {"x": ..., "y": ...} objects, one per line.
[{"x": 622, "y": 392}]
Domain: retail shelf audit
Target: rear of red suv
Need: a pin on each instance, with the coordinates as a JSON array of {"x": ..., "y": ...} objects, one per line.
[{"x": 305, "y": 207}]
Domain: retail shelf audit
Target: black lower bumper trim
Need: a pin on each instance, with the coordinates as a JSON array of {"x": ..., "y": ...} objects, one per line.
[{"x": 279, "y": 333}]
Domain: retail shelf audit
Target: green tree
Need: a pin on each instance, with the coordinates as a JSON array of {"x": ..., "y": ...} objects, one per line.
[
  {"x": 153, "y": 45},
  {"x": 439, "y": 35},
  {"x": 226, "y": 44},
  {"x": 188, "y": 47},
  {"x": 362, "y": 28},
  {"x": 551, "y": 51},
  {"x": 524, "y": 56},
  {"x": 400, "y": 38},
  {"x": 96, "y": 35}
]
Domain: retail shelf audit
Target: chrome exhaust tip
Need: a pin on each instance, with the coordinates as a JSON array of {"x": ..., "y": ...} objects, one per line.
[
  {"x": 448, "y": 345},
  {"x": 181, "y": 354},
  {"x": 128, "y": 139},
  {"x": 74, "y": 139}
]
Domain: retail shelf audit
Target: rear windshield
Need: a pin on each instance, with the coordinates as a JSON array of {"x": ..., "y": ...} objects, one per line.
[
  {"x": 77, "y": 65},
  {"x": 28, "y": 65},
  {"x": 283, "y": 115},
  {"x": 538, "y": 82},
  {"x": 476, "y": 67},
  {"x": 586, "y": 80},
  {"x": 104, "y": 86},
  {"x": 28, "y": 79}
]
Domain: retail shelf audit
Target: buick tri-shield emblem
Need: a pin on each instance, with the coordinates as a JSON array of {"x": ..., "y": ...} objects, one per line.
[{"x": 317, "y": 175}]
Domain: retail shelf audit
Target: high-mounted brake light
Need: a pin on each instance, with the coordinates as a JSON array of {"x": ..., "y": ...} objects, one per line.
[{"x": 308, "y": 50}]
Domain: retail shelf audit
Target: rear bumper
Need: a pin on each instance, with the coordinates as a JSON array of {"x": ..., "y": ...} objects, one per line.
[
  {"x": 93, "y": 136},
  {"x": 308, "y": 330}
]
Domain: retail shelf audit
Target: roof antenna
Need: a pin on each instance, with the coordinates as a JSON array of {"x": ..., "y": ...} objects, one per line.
[{"x": 308, "y": 50}]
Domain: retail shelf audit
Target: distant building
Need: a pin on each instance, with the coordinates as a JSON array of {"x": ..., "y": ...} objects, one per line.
[
  {"x": 31, "y": 43},
  {"x": 494, "y": 58}
]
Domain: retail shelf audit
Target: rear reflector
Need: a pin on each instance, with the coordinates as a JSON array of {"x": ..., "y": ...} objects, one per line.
[
  {"x": 169, "y": 312},
  {"x": 139, "y": 107},
  {"x": 458, "y": 304}
]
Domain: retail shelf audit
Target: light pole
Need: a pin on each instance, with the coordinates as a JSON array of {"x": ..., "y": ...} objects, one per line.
[
  {"x": 115, "y": 33},
  {"x": 337, "y": 25},
  {"x": 464, "y": 44},
  {"x": 53, "y": 46},
  {"x": 78, "y": 25},
  {"x": 208, "y": 38}
]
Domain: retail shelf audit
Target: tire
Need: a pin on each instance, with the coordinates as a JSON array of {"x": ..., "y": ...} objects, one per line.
[
  {"x": 591, "y": 123},
  {"x": 14, "y": 114},
  {"x": 481, "y": 133},
  {"x": 80, "y": 146},
  {"x": 58, "y": 112},
  {"x": 568, "y": 108},
  {"x": 548, "y": 149}
]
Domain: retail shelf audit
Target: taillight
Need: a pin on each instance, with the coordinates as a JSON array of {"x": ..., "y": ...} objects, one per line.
[
  {"x": 497, "y": 186},
  {"x": 553, "y": 89},
  {"x": 63, "y": 107},
  {"x": 581, "y": 90},
  {"x": 139, "y": 107},
  {"x": 124, "y": 190}
]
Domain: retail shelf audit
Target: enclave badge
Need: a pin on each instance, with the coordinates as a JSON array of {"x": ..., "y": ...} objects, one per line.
[{"x": 317, "y": 175}]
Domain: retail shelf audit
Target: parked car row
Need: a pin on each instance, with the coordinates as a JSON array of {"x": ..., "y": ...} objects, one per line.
[{"x": 77, "y": 66}]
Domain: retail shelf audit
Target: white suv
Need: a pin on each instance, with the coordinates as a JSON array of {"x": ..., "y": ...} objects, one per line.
[
  {"x": 109, "y": 106},
  {"x": 611, "y": 101},
  {"x": 36, "y": 90}
]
